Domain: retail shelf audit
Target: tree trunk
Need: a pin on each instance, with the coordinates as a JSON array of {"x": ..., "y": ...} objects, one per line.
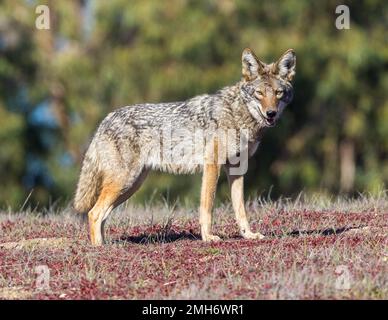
[{"x": 347, "y": 165}]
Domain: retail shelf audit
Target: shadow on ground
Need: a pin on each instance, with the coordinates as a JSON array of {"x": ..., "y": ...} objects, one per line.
[
  {"x": 322, "y": 232},
  {"x": 159, "y": 237},
  {"x": 184, "y": 235}
]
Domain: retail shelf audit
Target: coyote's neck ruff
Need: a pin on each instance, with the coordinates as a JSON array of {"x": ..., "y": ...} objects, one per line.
[{"x": 202, "y": 133}]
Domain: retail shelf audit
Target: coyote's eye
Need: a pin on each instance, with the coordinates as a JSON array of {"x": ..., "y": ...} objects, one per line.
[
  {"x": 279, "y": 93},
  {"x": 259, "y": 94}
]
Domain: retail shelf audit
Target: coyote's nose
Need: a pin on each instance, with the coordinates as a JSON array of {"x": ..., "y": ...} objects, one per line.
[{"x": 271, "y": 113}]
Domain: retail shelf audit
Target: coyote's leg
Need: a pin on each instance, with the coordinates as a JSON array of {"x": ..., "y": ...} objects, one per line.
[
  {"x": 136, "y": 184},
  {"x": 111, "y": 195},
  {"x": 236, "y": 183},
  {"x": 211, "y": 173},
  {"x": 104, "y": 205}
]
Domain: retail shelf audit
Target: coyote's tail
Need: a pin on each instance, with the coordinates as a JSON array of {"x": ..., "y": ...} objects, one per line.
[{"x": 88, "y": 186}]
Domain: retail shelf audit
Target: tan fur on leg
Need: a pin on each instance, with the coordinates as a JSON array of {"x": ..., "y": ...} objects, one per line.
[
  {"x": 237, "y": 193},
  {"x": 209, "y": 184},
  {"x": 101, "y": 210}
]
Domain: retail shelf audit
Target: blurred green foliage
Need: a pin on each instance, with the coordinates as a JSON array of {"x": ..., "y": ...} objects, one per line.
[{"x": 56, "y": 85}]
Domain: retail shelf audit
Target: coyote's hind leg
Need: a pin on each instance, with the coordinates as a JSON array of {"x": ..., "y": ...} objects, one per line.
[
  {"x": 100, "y": 211},
  {"x": 111, "y": 195}
]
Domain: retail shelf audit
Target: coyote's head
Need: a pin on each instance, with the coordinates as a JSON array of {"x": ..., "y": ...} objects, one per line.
[{"x": 266, "y": 88}]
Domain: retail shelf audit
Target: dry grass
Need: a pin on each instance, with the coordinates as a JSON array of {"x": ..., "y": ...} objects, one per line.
[{"x": 154, "y": 253}]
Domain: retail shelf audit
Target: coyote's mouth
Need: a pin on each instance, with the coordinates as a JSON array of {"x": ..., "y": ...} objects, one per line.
[{"x": 270, "y": 121}]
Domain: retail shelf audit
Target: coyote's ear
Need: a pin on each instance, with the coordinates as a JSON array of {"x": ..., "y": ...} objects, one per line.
[
  {"x": 285, "y": 66},
  {"x": 251, "y": 65}
]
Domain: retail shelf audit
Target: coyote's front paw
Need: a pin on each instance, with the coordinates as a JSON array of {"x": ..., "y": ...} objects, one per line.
[
  {"x": 253, "y": 235},
  {"x": 211, "y": 237}
]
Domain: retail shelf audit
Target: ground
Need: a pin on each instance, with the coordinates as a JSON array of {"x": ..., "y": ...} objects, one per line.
[{"x": 313, "y": 249}]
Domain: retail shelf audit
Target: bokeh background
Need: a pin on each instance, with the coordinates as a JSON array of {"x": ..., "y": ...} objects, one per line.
[{"x": 56, "y": 85}]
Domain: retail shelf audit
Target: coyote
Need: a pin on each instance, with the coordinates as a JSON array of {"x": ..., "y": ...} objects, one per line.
[{"x": 128, "y": 143}]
